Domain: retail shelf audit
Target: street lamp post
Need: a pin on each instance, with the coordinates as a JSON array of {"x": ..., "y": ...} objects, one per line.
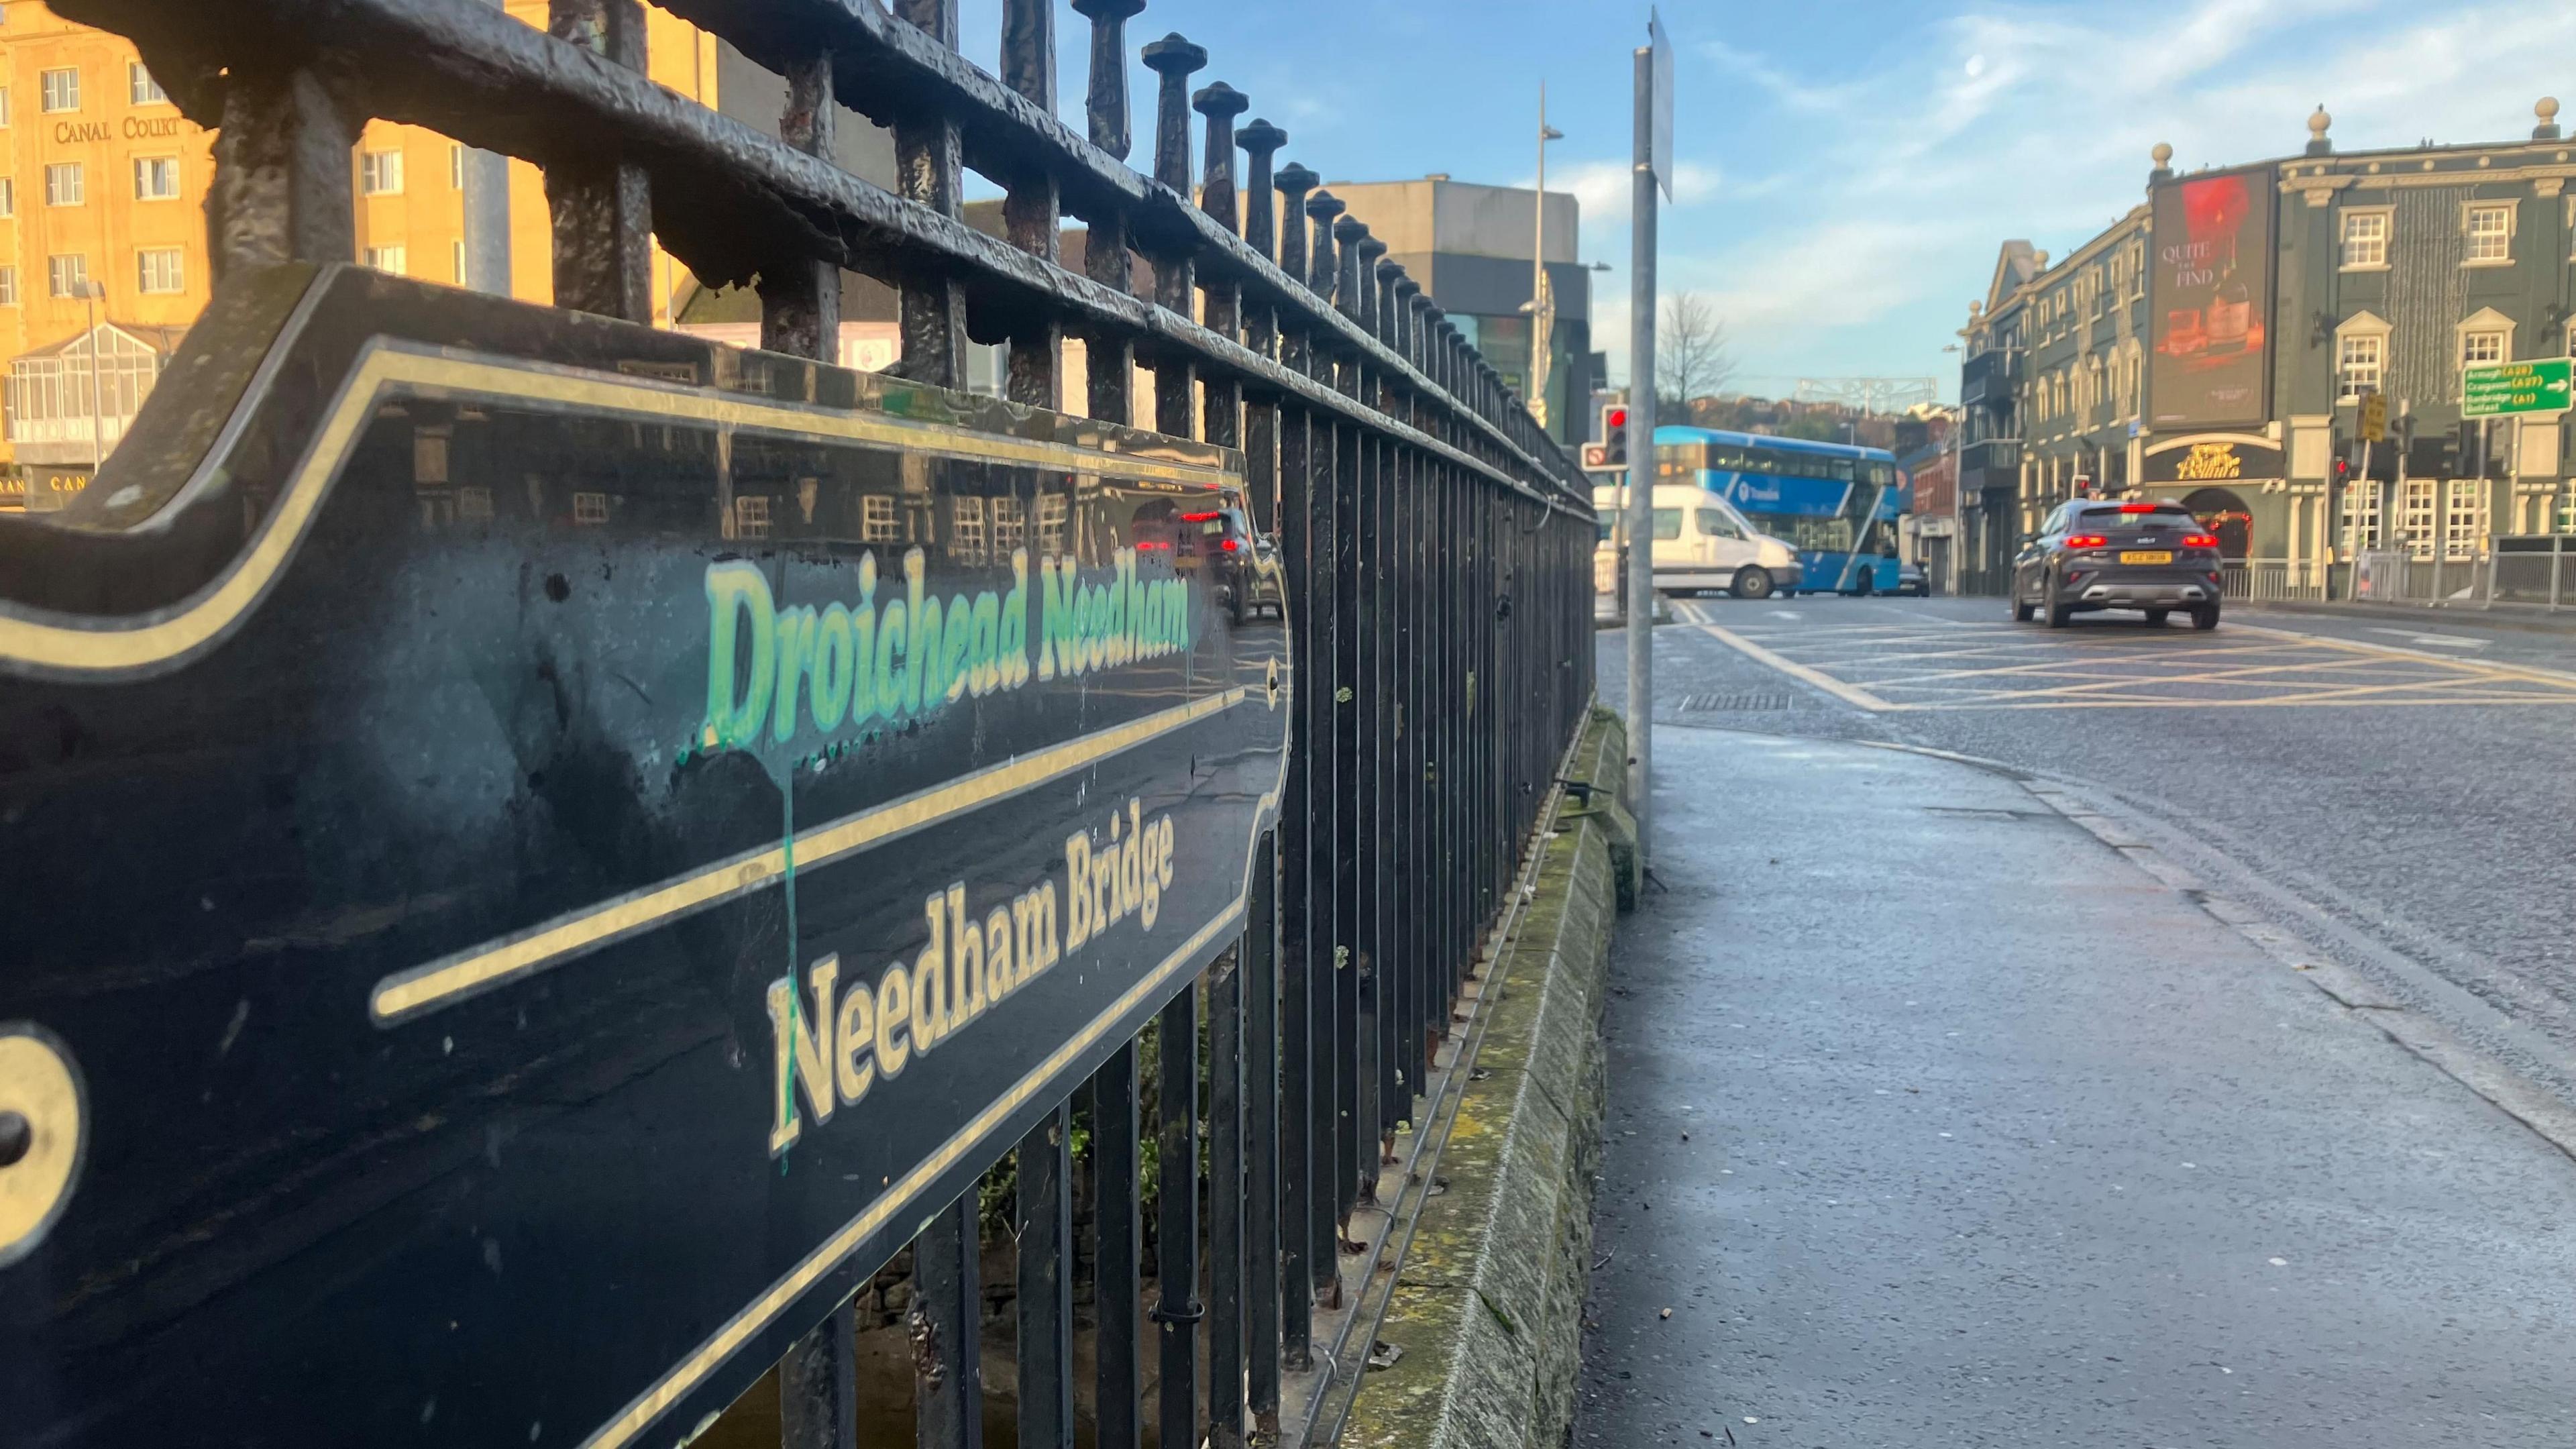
[{"x": 1542, "y": 300}]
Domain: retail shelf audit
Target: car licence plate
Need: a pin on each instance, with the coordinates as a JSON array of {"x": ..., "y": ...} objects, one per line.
[{"x": 2147, "y": 556}]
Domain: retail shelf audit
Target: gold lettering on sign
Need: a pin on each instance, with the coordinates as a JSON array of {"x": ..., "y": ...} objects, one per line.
[
  {"x": 68, "y": 132},
  {"x": 144, "y": 128},
  {"x": 2210, "y": 460}
]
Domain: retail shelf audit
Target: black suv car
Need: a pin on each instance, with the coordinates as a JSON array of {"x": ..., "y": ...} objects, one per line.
[{"x": 2091, "y": 554}]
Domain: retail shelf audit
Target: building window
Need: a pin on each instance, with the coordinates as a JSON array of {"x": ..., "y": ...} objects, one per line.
[
  {"x": 751, "y": 516},
  {"x": 2479, "y": 349},
  {"x": 1010, "y": 527},
  {"x": 66, "y": 184},
  {"x": 8, "y": 286},
  {"x": 2415, "y": 517},
  {"x": 4, "y": 104},
  {"x": 2359, "y": 360},
  {"x": 876, "y": 518},
  {"x": 2365, "y": 240},
  {"x": 1053, "y": 510},
  {"x": 140, "y": 88},
  {"x": 58, "y": 90},
  {"x": 380, "y": 173},
  {"x": 67, "y": 275},
  {"x": 456, "y": 167},
  {"x": 966, "y": 530},
  {"x": 158, "y": 271},
  {"x": 460, "y": 263},
  {"x": 473, "y": 503},
  {"x": 8, "y": 196},
  {"x": 2360, "y": 514},
  {"x": 386, "y": 259},
  {"x": 2490, "y": 235},
  {"x": 2464, "y": 517},
  {"x": 156, "y": 178},
  {"x": 429, "y": 456},
  {"x": 589, "y": 509}
]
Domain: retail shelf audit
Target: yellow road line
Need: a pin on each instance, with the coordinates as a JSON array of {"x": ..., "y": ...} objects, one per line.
[
  {"x": 2233, "y": 676},
  {"x": 2510, "y": 671},
  {"x": 407, "y": 994},
  {"x": 2295, "y": 701}
]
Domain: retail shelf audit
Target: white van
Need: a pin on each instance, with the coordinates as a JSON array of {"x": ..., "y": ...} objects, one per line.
[{"x": 1701, "y": 542}]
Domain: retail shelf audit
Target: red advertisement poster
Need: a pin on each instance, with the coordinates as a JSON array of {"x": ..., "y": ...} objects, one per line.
[{"x": 2210, "y": 302}]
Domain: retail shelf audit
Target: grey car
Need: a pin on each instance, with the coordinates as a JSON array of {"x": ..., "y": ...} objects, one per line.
[{"x": 2153, "y": 557}]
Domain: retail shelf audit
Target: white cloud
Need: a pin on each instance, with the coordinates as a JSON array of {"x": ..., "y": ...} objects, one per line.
[
  {"x": 1860, "y": 248},
  {"x": 1607, "y": 189}
]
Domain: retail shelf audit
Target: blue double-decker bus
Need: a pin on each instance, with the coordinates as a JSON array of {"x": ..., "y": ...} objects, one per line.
[{"x": 1837, "y": 505}]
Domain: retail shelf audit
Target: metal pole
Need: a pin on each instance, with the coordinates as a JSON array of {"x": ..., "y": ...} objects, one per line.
[
  {"x": 1641, "y": 464},
  {"x": 1542, "y": 301},
  {"x": 97, "y": 455},
  {"x": 487, "y": 219}
]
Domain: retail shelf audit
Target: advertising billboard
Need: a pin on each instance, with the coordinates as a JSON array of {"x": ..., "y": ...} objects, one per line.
[{"x": 2210, "y": 301}]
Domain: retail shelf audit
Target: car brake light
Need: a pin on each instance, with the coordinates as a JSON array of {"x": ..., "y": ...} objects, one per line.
[
  {"x": 1150, "y": 545},
  {"x": 2137, "y": 508},
  {"x": 2087, "y": 540},
  {"x": 1199, "y": 517},
  {"x": 1230, "y": 545},
  {"x": 2200, "y": 540}
]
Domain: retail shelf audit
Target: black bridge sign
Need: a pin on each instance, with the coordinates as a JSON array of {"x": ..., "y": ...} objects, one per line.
[{"x": 538, "y": 851}]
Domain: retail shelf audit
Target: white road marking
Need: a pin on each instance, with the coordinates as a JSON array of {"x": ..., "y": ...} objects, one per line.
[
  {"x": 1783, "y": 614},
  {"x": 2452, "y": 641}
]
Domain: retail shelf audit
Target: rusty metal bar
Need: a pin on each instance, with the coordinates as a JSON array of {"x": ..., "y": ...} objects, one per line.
[
  {"x": 1109, "y": 356},
  {"x": 1174, "y": 60},
  {"x": 1261, "y": 1143},
  {"x": 1225, "y": 1204},
  {"x": 1221, "y": 407},
  {"x": 1305, "y": 1087},
  {"x": 1117, "y": 1249},
  {"x": 1177, "y": 1308},
  {"x": 282, "y": 190},
  {"x": 1355, "y": 757},
  {"x": 1259, "y": 141},
  {"x": 945, "y": 1322},
  {"x": 1042, "y": 1224},
  {"x": 1032, "y": 208},
  {"x": 602, "y": 209},
  {"x": 800, "y": 296},
  {"x": 929, "y": 171},
  {"x": 818, "y": 1386}
]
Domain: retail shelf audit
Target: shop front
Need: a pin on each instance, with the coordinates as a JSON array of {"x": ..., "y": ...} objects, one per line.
[{"x": 2233, "y": 482}]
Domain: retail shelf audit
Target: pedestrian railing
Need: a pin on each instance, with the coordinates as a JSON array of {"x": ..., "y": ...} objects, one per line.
[
  {"x": 2400, "y": 576},
  {"x": 2269, "y": 580},
  {"x": 2529, "y": 569},
  {"x": 400, "y": 966}
]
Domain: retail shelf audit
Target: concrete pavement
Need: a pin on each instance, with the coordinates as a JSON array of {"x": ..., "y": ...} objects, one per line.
[{"x": 1936, "y": 1120}]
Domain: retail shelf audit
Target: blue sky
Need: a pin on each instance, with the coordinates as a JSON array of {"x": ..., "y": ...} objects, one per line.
[{"x": 1848, "y": 169}]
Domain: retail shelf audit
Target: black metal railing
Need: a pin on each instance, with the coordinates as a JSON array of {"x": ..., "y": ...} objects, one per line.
[{"x": 1436, "y": 546}]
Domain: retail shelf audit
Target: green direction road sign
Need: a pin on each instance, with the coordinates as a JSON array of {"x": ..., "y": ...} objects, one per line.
[{"x": 2545, "y": 385}]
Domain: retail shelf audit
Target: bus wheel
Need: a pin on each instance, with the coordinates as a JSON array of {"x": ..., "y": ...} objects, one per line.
[
  {"x": 1864, "y": 584},
  {"x": 1751, "y": 583}
]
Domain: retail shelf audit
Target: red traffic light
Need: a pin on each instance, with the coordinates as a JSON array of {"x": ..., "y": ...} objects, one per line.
[{"x": 1616, "y": 417}]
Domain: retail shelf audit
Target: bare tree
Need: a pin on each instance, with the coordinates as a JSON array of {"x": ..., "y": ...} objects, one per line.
[{"x": 1691, "y": 355}]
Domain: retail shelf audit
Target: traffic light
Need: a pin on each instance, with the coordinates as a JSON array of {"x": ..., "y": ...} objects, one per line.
[{"x": 1612, "y": 451}]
